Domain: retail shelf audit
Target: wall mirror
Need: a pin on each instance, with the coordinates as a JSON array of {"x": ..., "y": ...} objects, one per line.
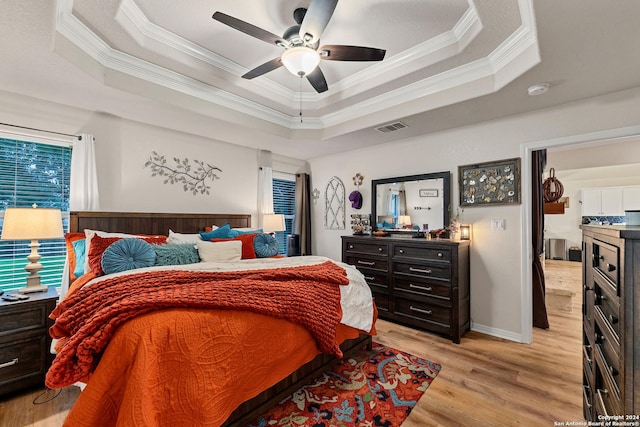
[{"x": 411, "y": 203}]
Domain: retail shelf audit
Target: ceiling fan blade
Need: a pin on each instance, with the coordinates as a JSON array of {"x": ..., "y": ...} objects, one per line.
[
  {"x": 263, "y": 69},
  {"x": 316, "y": 19},
  {"x": 249, "y": 29},
  {"x": 317, "y": 80},
  {"x": 351, "y": 53}
]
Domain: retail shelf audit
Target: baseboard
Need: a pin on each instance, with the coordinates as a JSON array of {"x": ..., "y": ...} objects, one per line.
[{"x": 495, "y": 332}]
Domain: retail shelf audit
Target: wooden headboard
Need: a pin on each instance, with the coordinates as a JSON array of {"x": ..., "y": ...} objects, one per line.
[{"x": 152, "y": 223}]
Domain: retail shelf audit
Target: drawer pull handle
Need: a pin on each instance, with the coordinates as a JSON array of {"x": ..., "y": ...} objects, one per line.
[
  {"x": 599, "y": 394},
  {"x": 401, "y": 251},
  {"x": 380, "y": 249},
  {"x": 419, "y": 310},
  {"x": 440, "y": 255},
  {"x": 419, "y": 270},
  {"x": 11, "y": 363},
  {"x": 585, "y": 393},
  {"x": 613, "y": 319},
  {"x": 613, "y": 371},
  {"x": 598, "y": 257},
  {"x": 586, "y": 354},
  {"x": 371, "y": 278},
  {"x": 422, "y": 288},
  {"x": 611, "y": 267},
  {"x": 366, "y": 262},
  {"x": 350, "y": 246}
]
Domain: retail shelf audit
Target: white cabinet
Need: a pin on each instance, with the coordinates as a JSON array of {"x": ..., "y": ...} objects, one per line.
[
  {"x": 602, "y": 202},
  {"x": 631, "y": 198}
]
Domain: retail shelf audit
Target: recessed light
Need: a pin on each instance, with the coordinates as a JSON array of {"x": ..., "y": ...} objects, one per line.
[{"x": 538, "y": 89}]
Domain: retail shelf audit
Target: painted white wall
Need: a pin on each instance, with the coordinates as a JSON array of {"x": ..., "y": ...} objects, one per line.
[
  {"x": 123, "y": 147},
  {"x": 496, "y": 256}
]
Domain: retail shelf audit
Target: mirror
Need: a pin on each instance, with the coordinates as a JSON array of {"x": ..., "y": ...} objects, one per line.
[{"x": 411, "y": 203}]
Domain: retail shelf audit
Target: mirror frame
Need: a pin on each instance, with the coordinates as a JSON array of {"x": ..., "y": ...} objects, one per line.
[{"x": 446, "y": 189}]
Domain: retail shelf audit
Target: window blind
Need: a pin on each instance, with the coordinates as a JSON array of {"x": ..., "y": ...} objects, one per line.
[
  {"x": 32, "y": 172},
  {"x": 284, "y": 199}
]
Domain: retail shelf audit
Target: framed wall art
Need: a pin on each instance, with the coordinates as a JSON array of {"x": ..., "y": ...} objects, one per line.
[{"x": 490, "y": 183}]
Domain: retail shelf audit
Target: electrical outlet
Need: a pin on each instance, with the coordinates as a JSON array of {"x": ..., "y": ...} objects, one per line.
[{"x": 498, "y": 224}]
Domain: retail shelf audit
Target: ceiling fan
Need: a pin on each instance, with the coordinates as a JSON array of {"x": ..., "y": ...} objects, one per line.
[{"x": 301, "y": 54}]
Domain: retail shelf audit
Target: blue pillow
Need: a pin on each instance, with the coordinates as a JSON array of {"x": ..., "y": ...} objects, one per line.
[
  {"x": 235, "y": 233},
  {"x": 265, "y": 245},
  {"x": 127, "y": 254},
  {"x": 223, "y": 232},
  {"x": 79, "y": 249},
  {"x": 176, "y": 254}
]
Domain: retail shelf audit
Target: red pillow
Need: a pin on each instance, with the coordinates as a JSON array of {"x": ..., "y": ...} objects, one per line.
[
  {"x": 100, "y": 244},
  {"x": 248, "y": 252}
]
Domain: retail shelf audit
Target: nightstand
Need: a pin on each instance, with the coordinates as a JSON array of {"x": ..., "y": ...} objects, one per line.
[{"x": 25, "y": 341}]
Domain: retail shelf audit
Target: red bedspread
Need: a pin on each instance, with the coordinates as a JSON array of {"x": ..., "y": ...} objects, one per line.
[{"x": 87, "y": 319}]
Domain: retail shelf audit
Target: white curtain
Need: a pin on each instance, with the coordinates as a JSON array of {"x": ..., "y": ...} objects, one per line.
[
  {"x": 84, "y": 179},
  {"x": 265, "y": 185}
]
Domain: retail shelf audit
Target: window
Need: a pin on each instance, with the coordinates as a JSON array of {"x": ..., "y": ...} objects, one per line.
[
  {"x": 32, "y": 172},
  {"x": 284, "y": 190}
]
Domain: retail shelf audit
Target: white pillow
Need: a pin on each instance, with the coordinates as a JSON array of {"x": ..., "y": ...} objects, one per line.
[
  {"x": 89, "y": 235},
  {"x": 183, "y": 238},
  {"x": 220, "y": 251}
]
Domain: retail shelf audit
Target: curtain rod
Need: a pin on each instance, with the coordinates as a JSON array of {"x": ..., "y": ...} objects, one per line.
[{"x": 42, "y": 130}]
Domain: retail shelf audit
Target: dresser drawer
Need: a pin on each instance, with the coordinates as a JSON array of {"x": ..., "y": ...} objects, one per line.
[
  {"x": 609, "y": 374},
  {"x": 363, "y": 264},
  {"x": 22, "y": 360},
  {"x": 607, "y": 306},
  {"x": 366, "y": 248},
  {"x": 420, "y": 287},
  {"x": 423, "y": 312},
  {"x": 606, "y": 259},
  {"x": 422, "y": 253},
  {"x": 376, "y": 279},
  {"x": 381, "y": 300},
  {"x": 431, "y": 271},
  {"x": 23, "y": 317}
]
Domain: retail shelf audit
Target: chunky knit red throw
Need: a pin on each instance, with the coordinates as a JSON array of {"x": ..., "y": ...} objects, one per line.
[{"x": 86, "y": 320}]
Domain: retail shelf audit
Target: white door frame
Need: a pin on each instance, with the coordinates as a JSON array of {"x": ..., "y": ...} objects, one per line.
[{"x": 612, "y": 135}]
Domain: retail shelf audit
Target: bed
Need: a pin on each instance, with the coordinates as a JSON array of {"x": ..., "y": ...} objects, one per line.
[{"x": 158, "y": 367}]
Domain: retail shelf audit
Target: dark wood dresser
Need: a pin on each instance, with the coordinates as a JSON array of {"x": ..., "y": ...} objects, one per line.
[
  {"x": 417, "y": 282},
  {"x": 25, "y": 341},
  {"x": 611, "y": 321}
]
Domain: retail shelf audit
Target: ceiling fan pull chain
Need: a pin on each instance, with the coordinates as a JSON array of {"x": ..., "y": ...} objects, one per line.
[{"x": 300, "y": 95}]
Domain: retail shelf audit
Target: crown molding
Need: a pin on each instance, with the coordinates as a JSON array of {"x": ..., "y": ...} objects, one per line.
[{"x": 516, "y": 48}]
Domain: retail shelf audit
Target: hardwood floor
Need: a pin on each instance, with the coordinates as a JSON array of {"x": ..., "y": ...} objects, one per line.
[{"x": 484, "y": 381}]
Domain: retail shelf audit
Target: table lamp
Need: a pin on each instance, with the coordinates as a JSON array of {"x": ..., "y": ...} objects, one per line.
[
  {"x": 404, "y": 220},
  {"x": 272, "y": 223},
  {"x": 32, "y": 224}
]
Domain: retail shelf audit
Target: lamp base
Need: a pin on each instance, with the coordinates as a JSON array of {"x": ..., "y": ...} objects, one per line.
[{"x": 29, "y": 289}]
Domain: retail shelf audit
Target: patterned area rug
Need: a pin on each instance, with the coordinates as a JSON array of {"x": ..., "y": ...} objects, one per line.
[{"x": 373, "y": 388}]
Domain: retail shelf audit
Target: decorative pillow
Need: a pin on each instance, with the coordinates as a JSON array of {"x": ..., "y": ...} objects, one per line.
[
  {"x": 100, "y": 244},
  {"x": 79, "y": 248},
  {"x": 218, "y": 233},
  {"x": 127, "y": 254},
  {"x": 220, "y": 251},
  {"x": 235, "y": 232},
  {"x": 176, "y": 254},
  {"x": 248, "y": 252},
  {"x": 90, "y": 233},
  {"x": 175, "y": 238},
  {"x": 265, "y": 245},
  {"x": 76, "y": 258}
]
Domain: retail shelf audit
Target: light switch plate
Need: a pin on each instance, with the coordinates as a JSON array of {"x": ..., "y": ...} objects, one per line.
[{"x": 498, "y": 224}]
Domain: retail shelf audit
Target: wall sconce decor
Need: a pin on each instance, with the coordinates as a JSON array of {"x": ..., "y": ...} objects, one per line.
[{"x": 465, "y": 232}]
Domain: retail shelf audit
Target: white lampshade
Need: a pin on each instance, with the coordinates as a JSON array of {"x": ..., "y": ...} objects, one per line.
[
  {"x": 32, "y": 224},
  {"x": 404, "y": 220},
  {"x": 300, "y": 60},
  {"x": 272, "y": 223}
]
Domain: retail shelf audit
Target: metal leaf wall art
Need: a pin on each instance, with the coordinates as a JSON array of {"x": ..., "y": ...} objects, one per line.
[{"x": 193, "y": 179}]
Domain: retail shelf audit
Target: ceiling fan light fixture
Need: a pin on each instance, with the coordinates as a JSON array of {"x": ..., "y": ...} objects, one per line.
[{"x": 300, "y": 60}]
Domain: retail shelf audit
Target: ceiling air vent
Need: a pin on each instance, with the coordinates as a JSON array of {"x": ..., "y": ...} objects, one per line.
[{"x": 391, "y": 127}]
